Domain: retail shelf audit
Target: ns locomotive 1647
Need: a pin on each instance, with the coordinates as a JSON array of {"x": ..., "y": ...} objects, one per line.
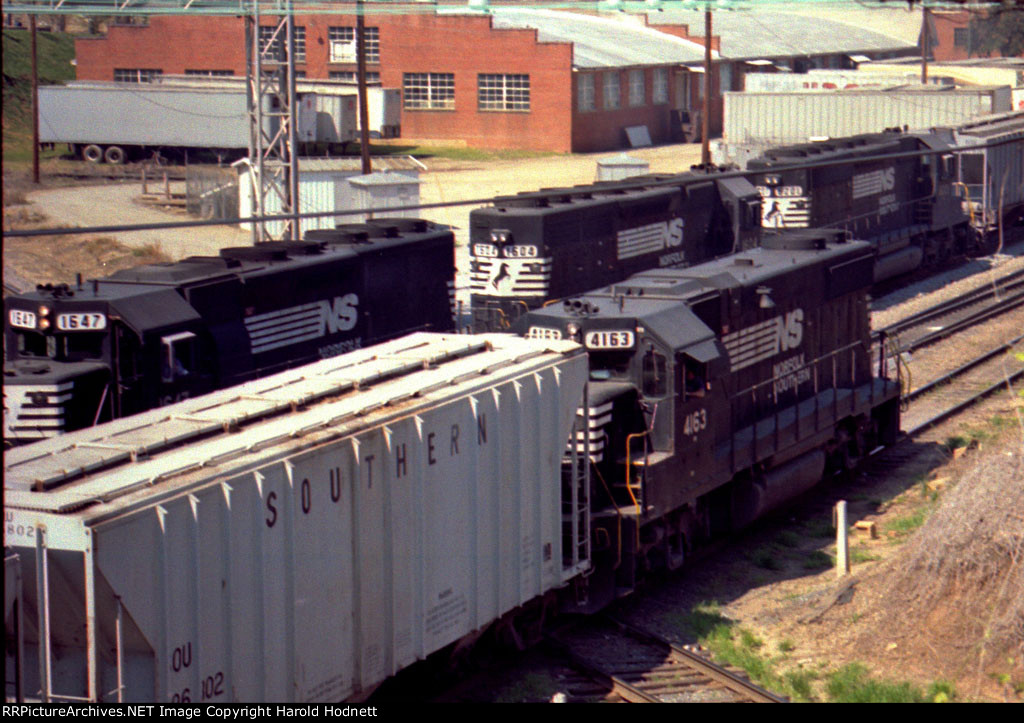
[
  {"x": 155, "y": 334},
  {"x": 718, "y": 391},
  {"x": 533, "y": 247}
]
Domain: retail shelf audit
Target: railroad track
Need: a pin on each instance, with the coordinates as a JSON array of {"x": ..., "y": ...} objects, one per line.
[
  {"x": 954, "y": 315},
  {"x": 960, "y": 388},
  {"x": 620, "y": 662}
]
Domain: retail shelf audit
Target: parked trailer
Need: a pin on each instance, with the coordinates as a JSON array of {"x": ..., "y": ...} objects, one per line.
[
  {"x": 781, "y": 118},
  {"x": 300, "y": 537},
  {"x": 384, "y": 105},
  {"x": 114, "y": 121}
]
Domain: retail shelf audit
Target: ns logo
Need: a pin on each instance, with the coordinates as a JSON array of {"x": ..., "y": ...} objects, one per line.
[
  {"x": 790, "y": 329},
  {"x": 340, "y": 314}
]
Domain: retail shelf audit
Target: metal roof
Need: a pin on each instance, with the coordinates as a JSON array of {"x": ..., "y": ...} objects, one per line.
[
  {"x": 760, "y": 34},
  {"x": 599, "y": 42}
]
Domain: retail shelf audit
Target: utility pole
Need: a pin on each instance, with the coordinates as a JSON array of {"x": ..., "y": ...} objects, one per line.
[
  {"x": 705, "y": 148},
  {"x": 926, "y": 42},
  {"x": 273, "y": 131},
  {"x": 35, "y": 102},
  {"x": 364, "y": 113}
]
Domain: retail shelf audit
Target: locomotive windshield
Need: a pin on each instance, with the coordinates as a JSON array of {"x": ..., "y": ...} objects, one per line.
[{"x": 78, "y": 346}]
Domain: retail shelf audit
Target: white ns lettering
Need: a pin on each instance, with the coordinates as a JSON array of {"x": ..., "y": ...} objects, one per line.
[
  {"x": 791, "y": 332},
  {"x": 674, "y": 232},
  {"x": 341, "y": 315}
]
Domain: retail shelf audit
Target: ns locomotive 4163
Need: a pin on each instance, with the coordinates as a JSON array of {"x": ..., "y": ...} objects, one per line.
[
  {"x": 533, "y": 247},
  {"x": 155, "y": 334},
  {"x": 718, "y": 391}
]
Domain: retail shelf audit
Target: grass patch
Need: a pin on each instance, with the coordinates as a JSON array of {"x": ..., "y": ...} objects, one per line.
[
  {"x": 852, "y": 684},
  {"x": 789, "y": 539},
  {"x": 905, "y": 524},
  {"x": 786, "y": 646},
  {"x": 817, "y": 560},
  {"x": 766, "y": 558},
  {"x": 860, "y": 554},
  {"x": 454, "y": 152},
  {"x": 821, "y": 527},
  {"x": 54, "y": 52}
]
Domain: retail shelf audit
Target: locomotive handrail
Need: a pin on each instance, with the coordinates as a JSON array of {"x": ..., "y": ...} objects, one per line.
[
  {"x": 831, "y": 354},
  {"x": 967, "y": 195},
  {"x": 629, "y": 488}
]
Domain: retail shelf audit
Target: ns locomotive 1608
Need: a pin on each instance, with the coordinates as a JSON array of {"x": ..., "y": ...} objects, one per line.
[
  {"x": 155, "y": 334},
  {"x": 909, "y": 207},
  {"x": 718, "y": 391},
  {"x": 530, "y": 248}
]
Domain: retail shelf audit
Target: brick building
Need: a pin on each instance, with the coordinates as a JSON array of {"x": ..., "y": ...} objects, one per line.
[{"x": 506, "y": 77}]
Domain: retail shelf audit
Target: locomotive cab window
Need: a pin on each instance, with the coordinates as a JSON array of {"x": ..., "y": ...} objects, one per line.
[
  {"x": 178, "y": 355},
  {"x": 655, "y": 373},
  {"x": 695, "y": 377},
  {"x": 31, "y": 343},
  {"x": 82, "y": 345}
]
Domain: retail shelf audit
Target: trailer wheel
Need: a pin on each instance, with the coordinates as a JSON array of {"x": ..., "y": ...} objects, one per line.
[
  {"x": 92, "y": 153},
  {"x": 114, "y": 155}
]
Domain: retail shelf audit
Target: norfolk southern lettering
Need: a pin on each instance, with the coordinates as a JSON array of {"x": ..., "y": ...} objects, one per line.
[{"x": 434, "y": 448}]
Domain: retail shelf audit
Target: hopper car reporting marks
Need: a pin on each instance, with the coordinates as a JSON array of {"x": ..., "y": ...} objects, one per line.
[{"x": 155, "y": 334}]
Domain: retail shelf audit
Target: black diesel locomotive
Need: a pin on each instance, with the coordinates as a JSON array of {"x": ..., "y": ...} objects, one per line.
[
  {"x": 908, "y": 207},
  {"x": 528, "y": 249},
  {"x": 715, "y": 393},
  {"x": 533, "y": 247},
  {"x": 155, "y": 334}
]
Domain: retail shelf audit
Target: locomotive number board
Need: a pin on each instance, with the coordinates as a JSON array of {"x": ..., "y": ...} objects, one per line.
[
  {"x": 610, "y": 339},
  {"x": 82, "y": 321}
]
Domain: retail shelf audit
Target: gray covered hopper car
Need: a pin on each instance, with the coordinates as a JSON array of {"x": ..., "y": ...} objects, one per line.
[{"x": 300, "y": 537}]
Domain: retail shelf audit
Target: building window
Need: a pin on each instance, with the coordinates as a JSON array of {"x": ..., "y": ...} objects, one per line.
[
  {"x": 349, "y": 76},
  {"x": 724, "y": 77},
  {"x": 502, "y": 92},
  {"x": 961, "y": 37},
  {"x": 136, "y": 75},
  {"x": 637, "y": 96},
  {"x": 211, "y": 73},
  {"x": 267, "y": 36},
  {"x": 585, "y": 93},
  {"x": 612, "y": 99},
  {"x": 659, "y": 91},
  {"x": 343, "y": 44},
  {"x": 428, "y": 91}
]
